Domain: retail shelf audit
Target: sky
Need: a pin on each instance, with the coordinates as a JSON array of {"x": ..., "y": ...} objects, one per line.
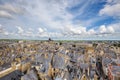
[{"x": 60, "y": 19}]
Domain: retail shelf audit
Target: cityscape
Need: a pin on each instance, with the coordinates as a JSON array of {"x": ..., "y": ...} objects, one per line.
[
  {"x": 59, "y": 39},
  {"x": 59, "y": 60}
]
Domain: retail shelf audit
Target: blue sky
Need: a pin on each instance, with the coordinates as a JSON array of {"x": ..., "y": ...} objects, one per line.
[{"x": 60, "y": 19}]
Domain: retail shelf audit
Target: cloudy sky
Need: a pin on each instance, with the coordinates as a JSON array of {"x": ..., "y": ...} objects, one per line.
[{"x": 60, "y": 19}]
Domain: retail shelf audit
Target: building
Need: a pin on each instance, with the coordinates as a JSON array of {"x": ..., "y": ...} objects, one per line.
[{"x": 113, "y": 72}]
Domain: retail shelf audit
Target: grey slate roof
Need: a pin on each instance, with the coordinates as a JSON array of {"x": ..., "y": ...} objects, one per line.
[
  {"x": 15, "y": 75},
  {"x": 106, "y": 61},
  {"x": 30, "y": 76}
]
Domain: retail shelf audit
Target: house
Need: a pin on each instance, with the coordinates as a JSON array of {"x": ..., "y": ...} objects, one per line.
[
  {"x": 113, "y": 72},
  {"x": 105, "y": 63}
]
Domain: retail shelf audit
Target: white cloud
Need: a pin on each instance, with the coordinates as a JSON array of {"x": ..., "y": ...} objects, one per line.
[
  {"x": 1, "y": 28},
  {"x": 102, "y": 29},
  {"x": 3, "y": 31},
  {"x": 50, "y": 13},
  {"x": 20, "y": 30},
  {"x": 5, "y": 14},
  {"x": 110, "y": 29},
  {"x": 112, "y": 8},
  {"x": 91, "y": 32},
  {"x": 113, "y": 1},
  {"x": 54, "y": 16},
  {"x": 55, "y": 34},
  {"x": 106, "y": 29},
  {"x": 115, "y": 26},
  {"x": 11, "y": 8},
  {"x": 30, "y": 29},
  {"x": 6, "y": 33},
  {"x": 8, "y": 10},
  {"x": 50, "y": 34},
  {"x": 41, "y": 30},
  {"x": 78, "y": 30},
  {"x": 70, "y": 29},
  {"x": 25, "y": 33},
  {"x": 84, "y": 7}
]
